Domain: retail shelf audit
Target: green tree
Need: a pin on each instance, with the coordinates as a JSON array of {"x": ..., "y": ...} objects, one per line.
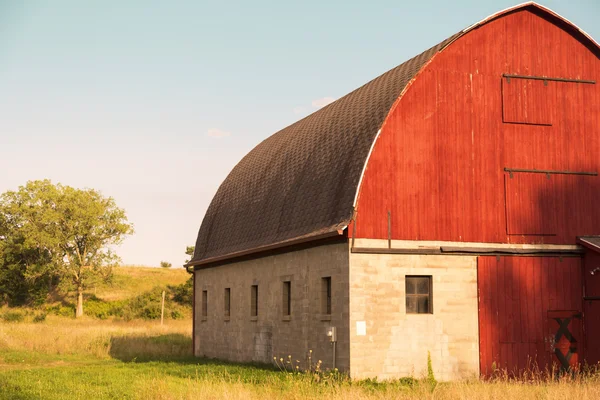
[
  {"x": 66, "y": 232},
  {"x": 189, "y": 250}
]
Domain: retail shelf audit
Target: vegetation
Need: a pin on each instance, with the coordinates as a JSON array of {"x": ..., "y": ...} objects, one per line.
[
  {"x": 164, "y": 264},
  {"x": 54, "y": 234},
  {"x": 66, "y": 358},
  {"x": 125, "y": 300}
]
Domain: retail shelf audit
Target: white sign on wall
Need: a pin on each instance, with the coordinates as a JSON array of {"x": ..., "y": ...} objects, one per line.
[{"x": 361, "y": 328}]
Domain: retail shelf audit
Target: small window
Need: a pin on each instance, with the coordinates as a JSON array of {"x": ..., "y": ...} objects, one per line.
[
  {"x": 254, "y": 301},
  {"x": 287, "y": 298},
  {"x": 227, "y": 302},
  {"x": 204, "y": 303},
  {"x": 418, "y": 295},
  {"x": 326, "y": 295}
]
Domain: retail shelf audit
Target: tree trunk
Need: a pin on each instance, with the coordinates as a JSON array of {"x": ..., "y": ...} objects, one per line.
[{"x": 79, "y": 311}]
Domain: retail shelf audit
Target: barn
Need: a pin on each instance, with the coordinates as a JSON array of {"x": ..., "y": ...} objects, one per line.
[{"x": 446, "y": 209}]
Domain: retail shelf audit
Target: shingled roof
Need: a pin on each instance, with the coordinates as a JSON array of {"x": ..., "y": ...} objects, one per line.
[{"x": 301, "y": 183}]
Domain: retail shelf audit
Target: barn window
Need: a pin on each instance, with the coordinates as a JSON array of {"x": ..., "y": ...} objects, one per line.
[
  {"x": 204, "y": 304},
  {"x": 254, "y": 301},
  {"x": 418, "y": 295},
  {"x": 326, "y": 295},
  {"x": 227, "y": 302},
  {"x": 287, "y": 298}
]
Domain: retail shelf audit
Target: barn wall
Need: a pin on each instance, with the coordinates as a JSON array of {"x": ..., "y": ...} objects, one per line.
[
  {"x": 245, "y": 339},
  {"x": 520, "y": 297},
  {"x": 591, "y": 306},
  {"x": 396, "y": 343},
  {"x": 438, "y": 165}
]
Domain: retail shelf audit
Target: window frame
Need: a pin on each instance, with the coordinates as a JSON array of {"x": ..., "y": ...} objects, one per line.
[
  {"x": 326, "y": 296},
  {"x": 416, "y": 295},
  {"x": 254, "y": 301},
  {"x": 286, "y": 296},
  {"x": 227, "y": 303},
  {"x": 204, "y": 305}
]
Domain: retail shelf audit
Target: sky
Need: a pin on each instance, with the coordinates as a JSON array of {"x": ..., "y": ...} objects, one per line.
[{"x": 154, "y": 102}]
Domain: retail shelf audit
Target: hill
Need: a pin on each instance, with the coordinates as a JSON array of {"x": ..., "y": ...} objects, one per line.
[{"x": 129, "y": 281}]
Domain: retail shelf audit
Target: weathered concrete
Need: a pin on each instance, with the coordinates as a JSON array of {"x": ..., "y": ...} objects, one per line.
[
  {"x": 367, "y": 288},
  {"x": 244, "y": 338},
  {"x": 396, "y": 344}
]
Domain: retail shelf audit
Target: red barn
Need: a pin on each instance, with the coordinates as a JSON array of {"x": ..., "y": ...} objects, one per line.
[{"x": 448, "y": 207}]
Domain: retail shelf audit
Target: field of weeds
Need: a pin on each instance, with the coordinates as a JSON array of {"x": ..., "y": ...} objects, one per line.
[{"x": 63, "y": 358}]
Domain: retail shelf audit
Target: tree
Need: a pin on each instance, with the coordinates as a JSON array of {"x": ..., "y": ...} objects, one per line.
[
  {"x": 189, "y": 250},
  {"x": 69, "y": 232}
]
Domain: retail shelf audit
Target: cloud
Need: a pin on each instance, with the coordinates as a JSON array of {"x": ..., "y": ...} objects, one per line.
[
  {"x": 299, "y": 110},
  {"x": 318, "y": 103},
  {"x": 217, "y": 133}
]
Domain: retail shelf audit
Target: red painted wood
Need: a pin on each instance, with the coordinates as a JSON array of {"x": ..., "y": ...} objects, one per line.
[
  {"x": 591, "y": 308},
  {"x": 503, "y": 346},
  {"x": 527, "y": 101},
  {"x": 565, "y": 345},
  {"x": 439, "y": 162}
]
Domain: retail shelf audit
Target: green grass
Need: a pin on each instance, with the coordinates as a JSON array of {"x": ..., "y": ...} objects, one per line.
[{"x": 86, "y": 378}]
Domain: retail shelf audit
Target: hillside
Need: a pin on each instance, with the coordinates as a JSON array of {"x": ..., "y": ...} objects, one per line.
[{"x": 129, "y": 282}]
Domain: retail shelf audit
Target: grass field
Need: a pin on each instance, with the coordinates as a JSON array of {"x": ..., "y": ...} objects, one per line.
[{"x": 63, "y": 358}]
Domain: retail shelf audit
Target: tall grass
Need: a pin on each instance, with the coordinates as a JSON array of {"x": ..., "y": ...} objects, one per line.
[
  {"x": 64, "y": 358},
  {"x": 99, "y": 339}
]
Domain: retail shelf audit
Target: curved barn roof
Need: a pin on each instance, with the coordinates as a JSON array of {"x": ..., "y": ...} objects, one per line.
[{"x": 301, "y": 183}]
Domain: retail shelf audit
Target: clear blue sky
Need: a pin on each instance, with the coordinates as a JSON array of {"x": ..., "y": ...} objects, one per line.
[{"x": 153, "y": 102}]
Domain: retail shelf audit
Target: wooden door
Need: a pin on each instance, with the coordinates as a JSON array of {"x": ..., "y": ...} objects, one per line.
[
  {"x": 591, "y": 307},
  {"x": 517, "y": 299},
  {"x": 564, "y": 339}
]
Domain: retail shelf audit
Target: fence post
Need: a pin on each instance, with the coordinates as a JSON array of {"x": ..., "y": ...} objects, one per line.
[{"x": 162, "y": 309}]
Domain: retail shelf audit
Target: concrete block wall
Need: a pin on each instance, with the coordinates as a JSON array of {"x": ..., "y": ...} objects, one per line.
[
  {"x": 243, "y": 338},
  {"x": 396, "y": 343}
]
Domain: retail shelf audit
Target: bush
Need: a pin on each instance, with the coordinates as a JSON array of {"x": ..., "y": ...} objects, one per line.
[
  {"x": 101, "y": 309},
  {"x": 144, "y": 306},
  {"x": 184, "y": 293},
  {"x": 165, "y": 264},
  {"x": 13, "y": 316},
  {"x": 39, "y": 318},
  {"x": 67, "y": 310}
]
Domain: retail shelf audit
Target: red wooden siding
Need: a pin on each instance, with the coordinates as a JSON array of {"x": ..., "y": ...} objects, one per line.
[
  {"x": 591, "y": 307},
  {"x": 519, "y": 301},
  {"x": 439, "y": 162},
  {"x": 527, "y": 101},
  {"x": 530, "y": 204}
]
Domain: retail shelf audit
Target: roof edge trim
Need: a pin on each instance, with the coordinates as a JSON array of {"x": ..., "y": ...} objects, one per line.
[
  {"x": 336, "y": 232},
  {"x": 364, "y": 168},
  {"x": 584, "y": 240},
  {"x": 523, "y": 5}
]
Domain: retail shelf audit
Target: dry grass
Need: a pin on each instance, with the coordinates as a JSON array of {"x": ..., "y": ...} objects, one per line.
[
  {"x": 99, "y": 339},
  {"x": 302, "y": 389},
  {"x": 130, "y": 281}
]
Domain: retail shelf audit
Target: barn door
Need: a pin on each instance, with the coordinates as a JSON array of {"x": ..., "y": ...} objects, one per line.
[
  {"x": 519, "y": 329},
  {"x": 591, "y": 306},
  {"x": 563, "y": 340}
]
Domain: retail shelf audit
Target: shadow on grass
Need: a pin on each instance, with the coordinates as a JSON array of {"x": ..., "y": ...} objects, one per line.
[
  {"x": 169, "y": 347},
  {"x": 171, "y": 354}
]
